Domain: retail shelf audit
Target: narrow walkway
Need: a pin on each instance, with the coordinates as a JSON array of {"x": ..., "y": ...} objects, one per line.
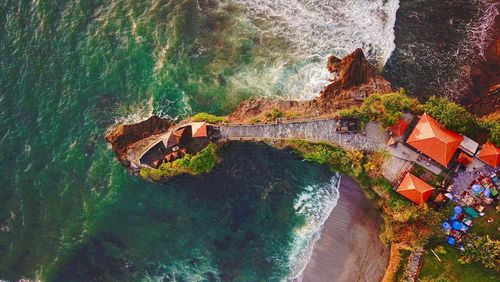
[{"x": 314, "y": 130}]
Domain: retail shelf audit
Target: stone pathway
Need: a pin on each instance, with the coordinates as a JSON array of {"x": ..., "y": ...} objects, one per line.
[
  {"x": 314, "y": 130},
  {"x": 404, "y": 152}
]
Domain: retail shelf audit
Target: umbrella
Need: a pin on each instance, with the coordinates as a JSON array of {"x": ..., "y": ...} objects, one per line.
[
  {"x": 457, "y": 210},
  {"x": 457, "y": 225},
  {"x": 487, "y": 192},
  {"x": 446, "y": 225},
  {"x": 451, "y": 241},
  {"x": 476, "y": 188}
]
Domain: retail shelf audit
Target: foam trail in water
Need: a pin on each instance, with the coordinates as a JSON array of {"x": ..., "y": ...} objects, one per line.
[
  {"x": 315, "y": 203},
  {"x": 314, "y": 29}
]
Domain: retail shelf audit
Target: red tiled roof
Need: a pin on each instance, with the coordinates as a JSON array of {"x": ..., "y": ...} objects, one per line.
[
  {"x": 415, "y": 189},
  {"x": 432, "y": 139},
  {"x": 199, "y": 129},
  {"x": 399, "y": 127},
  {"x": 490, "y": 154}
]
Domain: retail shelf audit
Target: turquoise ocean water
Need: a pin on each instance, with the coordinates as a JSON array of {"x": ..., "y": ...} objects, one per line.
[{"x": 72, "y": 69}]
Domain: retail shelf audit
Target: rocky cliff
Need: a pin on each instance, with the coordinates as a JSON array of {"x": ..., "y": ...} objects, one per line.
[
  {"x": 354, "y": 78},
  {"x": 124, "y": 135}
]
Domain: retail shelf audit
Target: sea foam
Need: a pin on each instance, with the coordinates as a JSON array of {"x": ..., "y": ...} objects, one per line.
[
  {"x": 315, "y": 203},
  {"x": 314, "y": 29}
]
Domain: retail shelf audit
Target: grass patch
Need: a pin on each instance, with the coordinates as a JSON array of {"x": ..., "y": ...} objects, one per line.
[
  {"x": 482, "y": 227},
  {"x": 450, "y": 268}
]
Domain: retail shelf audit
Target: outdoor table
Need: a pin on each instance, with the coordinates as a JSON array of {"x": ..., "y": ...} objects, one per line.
[{"x": 467, "y": 221}]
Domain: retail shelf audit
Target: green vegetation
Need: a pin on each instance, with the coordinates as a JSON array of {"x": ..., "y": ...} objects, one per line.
[
  {"x": 384, "y": 108},
  {"x": 388, "y": 108},
  {"x": 452, "y": 116},
  {"x": 200, "y": 163},
  {"x": 373, "y": 165},
  {"x": 457, "y": 118},
  {"x": 492, "y": 124},
  {"x": 484, "y": 250},
  {"x": 338, "y": 159},
  {"x": 451, "y": 269},
  {"x": 274, "y": 114},
  {"x": 400, "y": 273},
  {"x": 406, "y": 224},
  {"x": 208, "y": 118}
]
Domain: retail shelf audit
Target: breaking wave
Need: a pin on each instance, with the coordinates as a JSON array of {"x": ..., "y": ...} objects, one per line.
[
  {"x": 315, "y": 203},
  {"x": 314, "y": 29}
]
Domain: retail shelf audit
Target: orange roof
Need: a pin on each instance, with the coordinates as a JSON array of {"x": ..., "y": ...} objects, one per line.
[
  {"x": 490, "y": 154},
  {"x": 391, "y": 142},
  {"x": 199, "y": 129},
  {"x": 399, "y": 127},
  {"x": 430, "y": 138},
  {"x": 415, "y": 189}
]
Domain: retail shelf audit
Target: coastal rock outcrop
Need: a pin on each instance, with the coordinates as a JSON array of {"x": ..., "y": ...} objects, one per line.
[
  {"x": 354, "y": 79},
  {"x": 124, "y": 135}
]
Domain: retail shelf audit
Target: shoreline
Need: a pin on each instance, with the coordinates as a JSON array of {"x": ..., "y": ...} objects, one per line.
[{"x": 349, "y": 248}]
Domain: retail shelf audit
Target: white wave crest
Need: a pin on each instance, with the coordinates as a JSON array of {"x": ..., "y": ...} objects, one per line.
[
  {"x": 315, "y": 203},
  {"x": 314, "y": 29}
]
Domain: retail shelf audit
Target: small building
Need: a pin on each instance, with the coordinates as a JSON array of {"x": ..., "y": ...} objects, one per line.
[
  {"x": 399, "y": 127},
  {"x": 490, "y": 154},
  {"x": 415, "y": 189},
  {"x": 435, "y": 141},
  {"x": 469, "y": 146},
  {"x": 185, "y": 139}
]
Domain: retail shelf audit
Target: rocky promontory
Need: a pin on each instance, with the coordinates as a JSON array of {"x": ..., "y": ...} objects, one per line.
[
  {"x": 123, "y": 136},
  {"x": 354, "y": 79}
]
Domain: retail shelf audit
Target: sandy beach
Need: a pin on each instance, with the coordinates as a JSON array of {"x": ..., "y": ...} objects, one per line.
[{"x": 349, "y": 248}]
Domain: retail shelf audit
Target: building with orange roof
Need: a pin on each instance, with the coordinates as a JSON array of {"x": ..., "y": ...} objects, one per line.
[
  {"x": 399, "y": 127},
  {"x": 490, "y": 154},
  {"x": 415, "y": 189},
  {"x": 435, "y": 141},
  {"x": 199, "y": 129}
]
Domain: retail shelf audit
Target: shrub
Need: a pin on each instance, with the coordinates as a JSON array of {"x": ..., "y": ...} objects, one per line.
[
  {"x": 323, "y": 153},
  {"x": 452, "y": 115},
  {"x": 484, "y": 250},
  {"x": 373, "y": 166},
  {"x": 204, "y": 161},
  {"x": 274, "y": 114},
  {"x": 200, "y": 163},
  {"x": 208, "y": 118},
  {"x": 491, "y": 123},
  {"x": 384, "y": 108}
]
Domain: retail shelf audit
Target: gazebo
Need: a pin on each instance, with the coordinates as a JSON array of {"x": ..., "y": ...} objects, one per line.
[
  {"x": 490, "y": 154},
  {"x": 415, "y": 189},
  {"x": 435, "y": 141}
]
